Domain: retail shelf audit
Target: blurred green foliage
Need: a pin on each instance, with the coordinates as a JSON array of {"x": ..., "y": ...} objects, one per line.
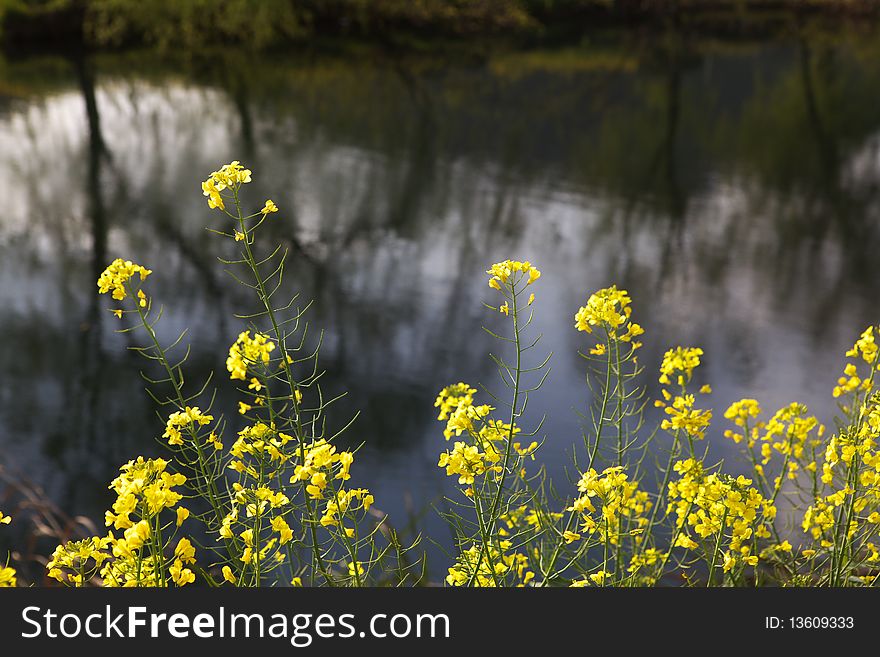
[{"x": 259, "y": 24}]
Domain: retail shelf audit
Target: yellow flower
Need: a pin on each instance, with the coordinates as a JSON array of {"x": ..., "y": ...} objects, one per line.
[
  {"x": 680, "y": 359},
  {"x": 214, "y": 441},
  {"x": 571, "y": 537},
  {"x": 600, "y": 577},
  {"x": 684, "y": 417},
  {"x": 190, "y": 417},
  {"x": 729, "y": 561},
  {"x": 212, "y": 191},
  {"x": 4, "y": 519},
  {"x": 230, "y": 176},
  {"x": 269, "y": 207},
  {"x": 180, "y": 575},
  {"x": 296, "y": 582},
  {"x": 685, "y": 541},
  {"x": 485, "y": 568},
  {"x": 283, "y": 529},
  {"x": 182, "y": 514},
  {"x": 76, "y": 562},
  {"x": 227, "y": 575},
  {"x": 117, "y": 274},
  {"x": 7, "y": 577},
  {"x": 607, "y": 307},
  {"x": 246, "y": 352},
  {"x": 243, "y": 408},
  {"x": 185, "y": 551},
  {"x": 239, "y": 237},
  {"x": 504, "y": 308},
  {"x": 502, "y": 272},
  {"x": 717, "y": 506},
  {"x": 466, "y": 461},
  {"x": 143, "y": 485},
  {"x": 453, "y": 397}
]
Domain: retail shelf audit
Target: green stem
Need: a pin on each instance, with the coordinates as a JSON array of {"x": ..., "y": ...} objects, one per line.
[
  {"x": 280, "y": 338},
  {"x": 496, "y": 502}
]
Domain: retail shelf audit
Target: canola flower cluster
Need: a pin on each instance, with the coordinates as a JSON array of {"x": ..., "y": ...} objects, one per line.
[
  {"x": 246, "y": 352},
  {"x": 145, "y": 487},
  {"x": 680, "y": 363},
  {"x": 262, "y": 508},
  {"x": 138, "y": 556},
  {"x": 788, "y": 433},
  {"x": 851, "y": 468},
  {"x": 342, "y": 504},
  {"x": 115, "y": 277},
  {"x": 498, "y": 566},
  {"x": 323, "y": 465},
  {"x": 259, "y": 454},
  {"x": 683, "y": 417},
  {"x": 510, "y": 272},
  {"x": 76, "y": 562},
  {"x": 525, "y": 518},
  {"x": 469, "y": 460},
  {"x": 844, "y": 516},
  {"x": 188, "y": 419},
  {"x": 607, "y": 499},
  {"x": 260, "y": 448},
  {"x": 866, "y": 349},
  {"x": 230, "y": 176},
  {"x": 507, "y": 276},
  {"x": 609, "y": 309},
  {"x": 741, "y": 413},
  {"x": 728, "y": 513},
  {"x": 791, "y": 433}
]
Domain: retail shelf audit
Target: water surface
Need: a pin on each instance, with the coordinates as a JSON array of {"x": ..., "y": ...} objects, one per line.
[{"x": 732, "y": 189}]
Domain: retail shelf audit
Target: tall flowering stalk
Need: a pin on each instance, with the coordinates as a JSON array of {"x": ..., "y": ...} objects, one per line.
[
  {"x": 192, "y": 435},
  {"x": 488, "y": 454},
  {"x": 608, "y": 315},
  {"x": 314, "y": 521},
  {"x": 274, "y": 504}
]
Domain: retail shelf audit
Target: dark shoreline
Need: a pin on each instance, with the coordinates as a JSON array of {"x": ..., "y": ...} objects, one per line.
[{"x": 65, "y": 28}]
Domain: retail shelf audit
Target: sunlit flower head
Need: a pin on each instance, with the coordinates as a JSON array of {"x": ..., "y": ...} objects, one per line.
[
  {"x": 511, "y": 272},
  {"x": 610, "y": 309},
  {"x": 230, "y": 176},
  {"x": 247, "y": 351},
  {"x": 117, "y": 274},
  {"x": 681, "y": 360}
]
